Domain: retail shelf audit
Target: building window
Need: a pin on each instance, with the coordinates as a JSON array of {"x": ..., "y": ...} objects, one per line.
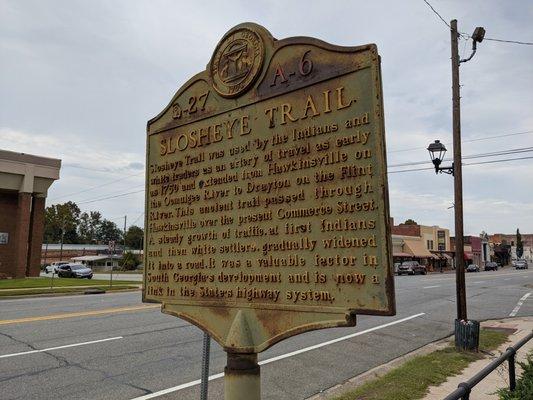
[
  {"x": 441, "y": 234},
  {"x": 442, "y": 247},
  {"x": 430, "y": 244}
]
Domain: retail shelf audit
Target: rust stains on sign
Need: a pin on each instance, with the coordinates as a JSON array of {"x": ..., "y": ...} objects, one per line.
[{"x": 266, "y": 202}]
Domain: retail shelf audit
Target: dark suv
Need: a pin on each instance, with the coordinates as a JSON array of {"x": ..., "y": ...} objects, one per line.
[
  {"x": 411, "y": 268},
  {"x": 491, "y": 266}
]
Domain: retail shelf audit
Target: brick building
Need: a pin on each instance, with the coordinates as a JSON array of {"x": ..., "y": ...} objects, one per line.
[
  {"x": 24, "y": 183},
  {"x": 429, "y": 245}
]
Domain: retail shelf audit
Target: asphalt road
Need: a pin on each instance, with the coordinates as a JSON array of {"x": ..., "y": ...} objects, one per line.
[{"x": 115, "y": 347}]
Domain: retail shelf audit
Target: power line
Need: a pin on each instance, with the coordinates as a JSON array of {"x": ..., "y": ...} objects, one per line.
[
  {"x": 463, "y": 35},
  {"x": 390, "y": 172},
  {"x": 136, "y": 219},
  {"x": 464, "y": 164},
  {"x": 105, "y": 171},
  {"x": 112, "y": 193},
  {"x": 467, "y": 36},
  {"x": 466, "y": 141},
  {"x": 481, "y": 155},
  {"x": 97, "y": 186},
  {"x": 109, "y": 197},
  {"x": 509, "y": 41}
]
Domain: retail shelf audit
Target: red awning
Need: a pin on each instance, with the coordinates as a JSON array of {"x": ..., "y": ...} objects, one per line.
[{"x": 468, "y": 255}]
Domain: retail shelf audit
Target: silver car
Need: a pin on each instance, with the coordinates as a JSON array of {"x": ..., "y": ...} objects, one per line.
[{"x": 75, "y": 271}]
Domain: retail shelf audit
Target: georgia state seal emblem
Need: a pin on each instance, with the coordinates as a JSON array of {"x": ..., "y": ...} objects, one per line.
[{"x": 237, "y": 62}]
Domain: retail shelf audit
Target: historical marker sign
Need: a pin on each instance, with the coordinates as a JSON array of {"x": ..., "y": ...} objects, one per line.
[{"x": 266, "y": 194}]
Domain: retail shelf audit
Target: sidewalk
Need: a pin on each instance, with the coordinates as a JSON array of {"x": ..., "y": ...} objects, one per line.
[
  {"x": 499, "y": 378},
  {"x": 483, "y": 391}
]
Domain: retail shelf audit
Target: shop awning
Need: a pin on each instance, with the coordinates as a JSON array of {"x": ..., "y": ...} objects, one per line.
[
  {"x": 447, "y": 256},
  {"x": 417, "y": 249},
  {"x": 400, "y": 254},
  {"x": 468, "y": 255}
]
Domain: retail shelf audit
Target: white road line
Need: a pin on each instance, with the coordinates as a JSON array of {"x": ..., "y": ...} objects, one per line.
[
  {"x": 507, "y": 279},
  {"x": 479, "y": 282},
  {"x": 430, "y": 287},
  {"x": 277, "y": 358},
  {"x": 519, "y": 304},
  {"x": 60, "y": 347}
]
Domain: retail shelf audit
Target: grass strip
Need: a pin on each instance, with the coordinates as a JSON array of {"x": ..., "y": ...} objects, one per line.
[
  {"x": 411, "y": 380},
  {"x": 43, "y": 282},
  {"x": 9, "y": 292}
]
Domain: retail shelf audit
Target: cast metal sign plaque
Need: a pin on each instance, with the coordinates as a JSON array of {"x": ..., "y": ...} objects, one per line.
[{"x": 266, "y": 192}]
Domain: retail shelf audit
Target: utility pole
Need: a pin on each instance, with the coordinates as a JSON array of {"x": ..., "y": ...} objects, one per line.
[
  {"x": 124, "y": 239},
  {"x": 458, "y": 178},
  {"x": 62, "y": 237},
  {"x": 466, "y": 331}
]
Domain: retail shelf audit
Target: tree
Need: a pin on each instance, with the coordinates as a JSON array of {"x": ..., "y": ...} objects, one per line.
[
  {"x": 519, "y": 244},
  {"x": 134, "y": 237},
  {"x": 108, "y": 231},
  {"x": 410, "y": 222},
  {"x": 61, "y": 219},
  {"x": 129, "y": 261},
  {"x": 88, "y": 226}
]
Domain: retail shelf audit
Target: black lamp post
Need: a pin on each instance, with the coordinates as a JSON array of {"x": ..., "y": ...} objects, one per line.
[{"x": 437, "y": 151}]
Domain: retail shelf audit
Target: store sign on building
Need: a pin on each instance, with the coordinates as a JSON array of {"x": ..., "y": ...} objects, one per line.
[{"x": 266, "y": 195}]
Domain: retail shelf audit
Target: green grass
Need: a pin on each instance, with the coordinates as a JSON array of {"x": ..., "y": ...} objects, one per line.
[
  {"x": 58, "y": 282},
  {"x": 412, "y": 380},
  {"x": 60, "y": 290}
]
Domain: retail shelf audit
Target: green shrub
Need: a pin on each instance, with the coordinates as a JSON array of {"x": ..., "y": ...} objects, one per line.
[
  {"x": 524, "y": 384},
  {"x": 129, "y": 261}
]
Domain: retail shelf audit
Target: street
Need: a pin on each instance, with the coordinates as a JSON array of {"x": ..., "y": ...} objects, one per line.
[{"x": 113, "y": 346}]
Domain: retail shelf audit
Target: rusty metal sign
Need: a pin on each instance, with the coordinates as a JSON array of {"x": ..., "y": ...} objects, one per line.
[{"x": 266, "y": 192}]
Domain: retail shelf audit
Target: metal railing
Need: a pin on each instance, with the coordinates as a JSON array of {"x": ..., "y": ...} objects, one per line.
[{"x": 464, "y": 388}]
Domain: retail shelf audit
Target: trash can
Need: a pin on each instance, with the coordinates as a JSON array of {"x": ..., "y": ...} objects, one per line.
[{"x": 467, "y": 335}]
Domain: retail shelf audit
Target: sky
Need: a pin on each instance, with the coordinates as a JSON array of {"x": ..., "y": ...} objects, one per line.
[{"x": 80, "y": 79}]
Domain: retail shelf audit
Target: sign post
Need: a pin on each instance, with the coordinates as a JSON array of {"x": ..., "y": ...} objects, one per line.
[{"x": 266, "y": 196}]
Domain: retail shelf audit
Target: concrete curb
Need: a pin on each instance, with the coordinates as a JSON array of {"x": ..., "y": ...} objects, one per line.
[{"x": 80, "y": 293}]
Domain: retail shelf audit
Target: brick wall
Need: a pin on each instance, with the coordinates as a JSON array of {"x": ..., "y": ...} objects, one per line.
[
  {"x": 8, "y": 223},
  {"x": 22, "y": 234},
  {"x": 36, "y": 237},
  {"x": 406, "y": 230}
]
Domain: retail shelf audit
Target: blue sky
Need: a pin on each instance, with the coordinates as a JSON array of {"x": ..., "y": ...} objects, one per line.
[{"x": 79, "y": 80}]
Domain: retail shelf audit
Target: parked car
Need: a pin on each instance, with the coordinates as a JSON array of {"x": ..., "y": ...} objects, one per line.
[
  {"x": 521, "y": 264},
  {"x": 472, "y": 268},
  {"x": 411, "y": 268},
  {"x": 54, "y": 266},
  {"x": 74, "y": 271},
  {"x": 491, "y": 266}
]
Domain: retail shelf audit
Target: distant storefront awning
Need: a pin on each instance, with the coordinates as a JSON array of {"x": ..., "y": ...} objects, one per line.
[
  {"x": 400, "y": 254},
  {"x": 468, "y": 255},
  {"x": 417, "y": 249},
  {"x": 447, "y": 256}
]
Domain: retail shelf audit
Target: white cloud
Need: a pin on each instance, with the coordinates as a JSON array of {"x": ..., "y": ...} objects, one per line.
[{"x": 79, "y": 80}]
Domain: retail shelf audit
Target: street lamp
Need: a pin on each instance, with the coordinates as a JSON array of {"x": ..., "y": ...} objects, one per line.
[{"x": 437, "y": 151}]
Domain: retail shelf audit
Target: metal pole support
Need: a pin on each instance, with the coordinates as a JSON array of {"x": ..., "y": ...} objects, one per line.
[
  {"x": 467, "y": 390},
  {"x": 204, "y": 386},
  {"x": 242, "y": 377},
  {"x": 512, "y": 372}
]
